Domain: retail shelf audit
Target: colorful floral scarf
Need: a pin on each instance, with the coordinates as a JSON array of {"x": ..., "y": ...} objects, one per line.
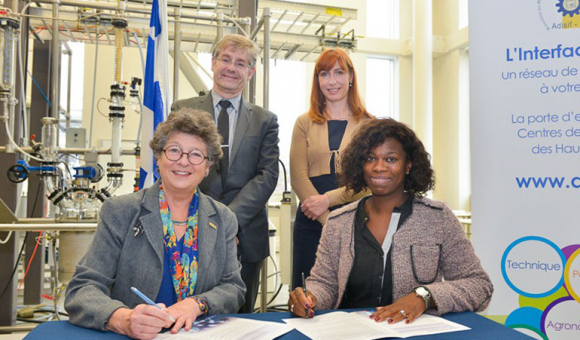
[{"x": 183, "y": 266}]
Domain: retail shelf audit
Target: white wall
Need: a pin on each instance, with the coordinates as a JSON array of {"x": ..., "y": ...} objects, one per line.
[{"x": 448, "y": 159}]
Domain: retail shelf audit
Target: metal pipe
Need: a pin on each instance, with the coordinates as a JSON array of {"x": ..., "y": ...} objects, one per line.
[
  {"x": 75, "y": 151},
  {"x": 94, "y": 84},
  {"x": 9, "y": 148},
  {"x": 278, "y": 50},
  {"x": 220, "y": 28},
  {"x": 279, "y": 20},
  {"x": 8, "y": 99},
  {"x": 112, "y": 5},
  {"x": 267, "y": 15},
  {"x": 36, "y": 220},
  {"x": 12, "y": 115},
  {"x": 264, "y": 287},
  {"x": 294, "y": 22},
  {"x": 48, "y": 226},
  {"x": 113, "y": 184},
  {"x": 20, "y": 328},
  {"x": 70, "y": 34},
  {"x": 55, "y": 61},
  {"x": 309, "y": 52},
  {"x": 176, "y": 50},
  {"x": 137, "y": 9},
  {"x": 22, "y": 98},
  {"x": 310, "y": 23},
  {"x": 68, "y": 87},
  {"x": 257, "y": 29},
  {"x": 246, "y": 92}
]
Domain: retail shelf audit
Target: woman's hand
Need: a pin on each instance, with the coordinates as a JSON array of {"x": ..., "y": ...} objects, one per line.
[
  {"x": 184, "y": 312},
  {"x": 408, "y": 307},
  {"x": 314, "y": 206},
  {"x": 300, "y": 305},
  {"x": 143, "y": 322}
]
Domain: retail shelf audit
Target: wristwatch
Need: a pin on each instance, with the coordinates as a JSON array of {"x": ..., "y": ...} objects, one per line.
[{"x": 424, "y": 294}]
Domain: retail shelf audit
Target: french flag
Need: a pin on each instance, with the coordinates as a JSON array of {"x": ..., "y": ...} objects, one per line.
[{"x": 157, "y": 94}]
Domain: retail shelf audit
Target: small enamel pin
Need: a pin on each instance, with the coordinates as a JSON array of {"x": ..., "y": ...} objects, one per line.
[
  {"x": 212, "y": 225},
  {"x": 137, "y": 229}
]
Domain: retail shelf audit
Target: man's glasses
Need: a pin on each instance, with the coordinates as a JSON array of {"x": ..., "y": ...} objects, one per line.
[
  {"x": 239, "y": 64},
  {"x": 195, "y": 156}
]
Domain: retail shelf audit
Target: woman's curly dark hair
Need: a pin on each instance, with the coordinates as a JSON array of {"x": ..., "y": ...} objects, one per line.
[{"x": 374, "y": 133}]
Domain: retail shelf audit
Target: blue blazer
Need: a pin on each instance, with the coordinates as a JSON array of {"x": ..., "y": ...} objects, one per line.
[{"x": 118, "y": 259}]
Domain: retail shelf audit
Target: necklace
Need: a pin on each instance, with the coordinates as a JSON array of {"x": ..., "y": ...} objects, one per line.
[
  {"x": 341, "y": 118},
  {"x": 179, "y": 222}
]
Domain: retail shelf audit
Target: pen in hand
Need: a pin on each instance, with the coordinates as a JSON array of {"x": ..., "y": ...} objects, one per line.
[
  {"x": 149, "y": 301},
  {"x": 305, "y": 294}
]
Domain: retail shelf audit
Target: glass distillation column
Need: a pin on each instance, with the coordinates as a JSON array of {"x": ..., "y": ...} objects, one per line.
[
  {"x": 116, "y": 111},
  {"x": 9, "y": 33}
]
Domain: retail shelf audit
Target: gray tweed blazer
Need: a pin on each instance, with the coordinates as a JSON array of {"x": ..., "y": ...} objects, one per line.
[
  {"x": 118, "y": 259},
  {"x": 429, "y": 249}
]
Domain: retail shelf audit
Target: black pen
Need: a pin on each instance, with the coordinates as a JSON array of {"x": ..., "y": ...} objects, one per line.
[{"x": 305, "y": 294}]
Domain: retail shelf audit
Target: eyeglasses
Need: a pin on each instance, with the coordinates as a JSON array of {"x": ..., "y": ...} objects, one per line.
[
  {"x": 195, "y": 157},
  {"x": 239, "y": 64}
]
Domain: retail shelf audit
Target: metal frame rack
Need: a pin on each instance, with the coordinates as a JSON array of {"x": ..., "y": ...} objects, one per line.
[{"x": 283, "y": 30}]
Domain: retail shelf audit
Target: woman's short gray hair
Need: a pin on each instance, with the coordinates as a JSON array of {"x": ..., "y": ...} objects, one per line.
[{"x": 192, "y": 122}]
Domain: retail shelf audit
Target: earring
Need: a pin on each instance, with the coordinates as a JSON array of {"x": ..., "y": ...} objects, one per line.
[{"x": 350, "y": 84}]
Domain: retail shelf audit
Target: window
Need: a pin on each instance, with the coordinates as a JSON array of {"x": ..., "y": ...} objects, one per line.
[
  {"x": 464, "y": 132},
  {"x": 382, "y": 19},
  {"x": 288, "y": 100},
  {"x": 380, "y": 86},
  {"x": 204, "y": 60},
  {"x": 463, "y": 14},
  {"x": 77, "y": 58}
]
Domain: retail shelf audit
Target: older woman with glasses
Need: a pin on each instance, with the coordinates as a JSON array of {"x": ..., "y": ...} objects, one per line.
[{"x": 170, "y": 241}]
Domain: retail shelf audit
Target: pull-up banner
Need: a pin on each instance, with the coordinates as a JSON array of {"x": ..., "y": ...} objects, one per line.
[{"x": 525, "y": 143}]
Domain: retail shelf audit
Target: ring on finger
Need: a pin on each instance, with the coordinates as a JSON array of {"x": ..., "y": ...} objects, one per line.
[{"x": 403, "y": 313}]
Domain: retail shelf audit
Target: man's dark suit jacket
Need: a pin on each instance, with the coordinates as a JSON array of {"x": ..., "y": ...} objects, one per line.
[{"x": 252, "y": 174}]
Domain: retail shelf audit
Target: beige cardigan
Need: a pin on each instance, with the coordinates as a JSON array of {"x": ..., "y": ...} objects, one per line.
[{"x": 310, "y": 156}]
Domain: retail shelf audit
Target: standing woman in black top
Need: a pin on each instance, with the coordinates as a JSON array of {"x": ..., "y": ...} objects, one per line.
[{"x": 319, "y": 136}]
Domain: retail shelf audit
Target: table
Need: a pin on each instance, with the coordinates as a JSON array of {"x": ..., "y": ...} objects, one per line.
[{"x": 481, "y": 328}]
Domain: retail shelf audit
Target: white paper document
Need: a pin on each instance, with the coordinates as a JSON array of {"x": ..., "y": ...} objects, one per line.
[
  {"x": 230, "y": 329},
  {"x": 358, "y": 326}
]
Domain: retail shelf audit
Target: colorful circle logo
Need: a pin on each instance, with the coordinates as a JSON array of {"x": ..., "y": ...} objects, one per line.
[
  {"x": 572, "y": 275},
  {"x": 533, "y": 266}
]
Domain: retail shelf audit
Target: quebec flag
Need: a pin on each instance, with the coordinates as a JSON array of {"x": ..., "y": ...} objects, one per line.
[{"x": 157, "y": 97}]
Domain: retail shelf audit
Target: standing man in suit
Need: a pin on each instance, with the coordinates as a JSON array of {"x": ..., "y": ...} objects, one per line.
[{"x": 247, "y": 174}]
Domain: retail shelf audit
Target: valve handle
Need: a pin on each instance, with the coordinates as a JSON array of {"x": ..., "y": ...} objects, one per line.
[{"x": 17, "y": 173}]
